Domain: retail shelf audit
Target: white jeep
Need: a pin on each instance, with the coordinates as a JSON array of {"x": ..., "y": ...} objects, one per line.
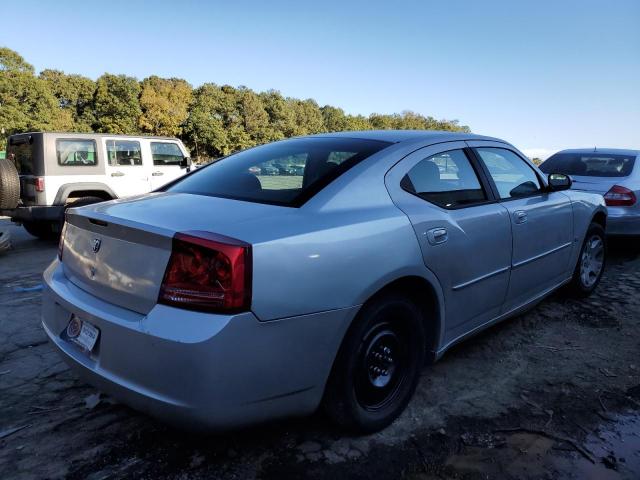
[{"x": 44, "y": 173}]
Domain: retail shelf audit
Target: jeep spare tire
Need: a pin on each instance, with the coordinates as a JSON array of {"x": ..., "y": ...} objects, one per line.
[{"x": 9, "y": 185}]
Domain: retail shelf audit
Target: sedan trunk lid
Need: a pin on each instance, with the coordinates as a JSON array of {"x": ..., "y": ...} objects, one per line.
[{"x": 118, "y": 251}]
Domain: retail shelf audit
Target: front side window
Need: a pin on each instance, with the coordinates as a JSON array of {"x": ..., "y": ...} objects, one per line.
[
  {"x": 124, "y": 153},
  {"x": 590, "y": 164},
  {"x": 512, "y": 176},
  {"x": 75, "y": 153},
  {"x": 165, "y": 153},
  {"x": 446, "y": 179},
  {"x": 282, "y": 173}
]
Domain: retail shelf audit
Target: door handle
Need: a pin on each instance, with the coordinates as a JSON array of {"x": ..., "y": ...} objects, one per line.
[
  {"x": 520, "y": 216},
  {"x": 157, "y": 174},
  {"x": 117, "y": 174},
  {"x": 435, "y": 236}
]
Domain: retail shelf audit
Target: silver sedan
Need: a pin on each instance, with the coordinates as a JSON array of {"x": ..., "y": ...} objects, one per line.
[
  {"x": 232, "y": 297},
  {"x": 613, "y": 173}
]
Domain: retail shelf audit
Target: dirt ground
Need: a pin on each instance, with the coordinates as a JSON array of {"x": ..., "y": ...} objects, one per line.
[{"x": 554, "y": 393}]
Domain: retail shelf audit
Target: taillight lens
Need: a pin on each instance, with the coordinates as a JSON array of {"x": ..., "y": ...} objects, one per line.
[
  {"x": 61, "y": 241},
  {"x": 620, "y": 196},
  {"x": 208, "y": 272},
  {"x": 39, "y": 184}
]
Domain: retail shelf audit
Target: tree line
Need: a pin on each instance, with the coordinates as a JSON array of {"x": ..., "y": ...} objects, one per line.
[{"x": 211, "y": 120}]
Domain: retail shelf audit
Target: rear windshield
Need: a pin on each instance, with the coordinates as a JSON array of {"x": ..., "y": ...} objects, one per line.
[
  {"x": 20, "y": 152},
  {"x": 589, "y": 164},
  {"x": 283, "y": 173}
]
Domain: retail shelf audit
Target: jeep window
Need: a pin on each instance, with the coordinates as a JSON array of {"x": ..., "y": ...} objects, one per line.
[
  {"x": 446, "y": 179},
  {"x": 286, "y": 173},
  {"x": 124, "y": 153},
  {"x": 21, "y": 154},
  {"x": 74, "y": 152},
  {"x": 166, "y": 154}
]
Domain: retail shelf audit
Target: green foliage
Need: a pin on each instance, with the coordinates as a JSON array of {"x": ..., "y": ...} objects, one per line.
[
  {"x": 117, "y": 105},
  {"x": 11, "y": 61},
  {"x": 75, "y": 96},
  {"x": 212, "y": 120},
  {"x": 165, "y": 105}
]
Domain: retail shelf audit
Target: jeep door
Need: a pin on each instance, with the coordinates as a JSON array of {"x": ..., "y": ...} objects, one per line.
[
  {"x": 127, "y": 173},
  {"x": 167, "y": 157},
  {"x": 465, "y": 236}
]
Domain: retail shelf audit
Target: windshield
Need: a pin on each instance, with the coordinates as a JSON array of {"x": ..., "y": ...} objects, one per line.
[
  {"x": 282, "y": 173},
  {"x": 589, "y": 164}
]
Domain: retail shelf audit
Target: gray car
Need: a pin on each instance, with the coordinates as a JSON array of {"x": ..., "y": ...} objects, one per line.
[
  {"x": 611, "y": 172},
  {"x": 227, "y": 299}
]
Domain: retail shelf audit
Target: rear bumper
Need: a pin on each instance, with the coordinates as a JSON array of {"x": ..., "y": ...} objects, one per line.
[
  {"x": 623, "y": 224},
  {"x": 34, "y": 214},
  {"x": 197, "y": 370}
]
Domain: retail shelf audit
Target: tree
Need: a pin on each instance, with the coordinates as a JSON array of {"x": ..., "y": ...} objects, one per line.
[
  {"x": 26, "y": 102},
  {"x": 308, "y": 117},
  {"x": 334, "y": 118},
  {"x": 205, "y": 129},
  {"x": 165, "y": 105},
  {"x": 117, "y": 107},
  {"x": 75, "y": 94},
  {"x": 11, "y": 61}
]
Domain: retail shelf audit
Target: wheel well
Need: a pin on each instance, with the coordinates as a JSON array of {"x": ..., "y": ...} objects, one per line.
[
  {"x": 89, "y": 193},
  {"x": 601, "y": 219},
  {"x": 424, "y": 295}
]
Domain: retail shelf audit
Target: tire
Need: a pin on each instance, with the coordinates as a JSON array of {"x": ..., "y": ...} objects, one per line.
[
  {"x": 378, "y": 366},
  {"x": 591, "y": 262},
  {"x": 80, "y": 202},
  {"x": 9, "y": 185},
  {"x": 42, "y": 229}
]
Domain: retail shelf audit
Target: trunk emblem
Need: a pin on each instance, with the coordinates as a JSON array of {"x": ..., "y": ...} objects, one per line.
[{"x": 96, "y": 245}]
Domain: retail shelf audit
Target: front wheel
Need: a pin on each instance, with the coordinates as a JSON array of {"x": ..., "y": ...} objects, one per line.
[
  {"x": 378, "y": 366},
  {"x": 591, "y": 261}
]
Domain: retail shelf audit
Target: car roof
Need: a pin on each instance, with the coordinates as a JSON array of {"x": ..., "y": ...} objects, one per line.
[
  {"x": 606, "y": 151},
  {"x": 93, "y": 135},
  {"x": 399, "y": 136}
]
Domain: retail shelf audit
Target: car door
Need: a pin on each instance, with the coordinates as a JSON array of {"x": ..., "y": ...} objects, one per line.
[
  {"x": 167, "y": 158},
  {"x": 465, "y": 236},
  {"x": 127, "y": 173},
  {"x": 541, "y": 222}
]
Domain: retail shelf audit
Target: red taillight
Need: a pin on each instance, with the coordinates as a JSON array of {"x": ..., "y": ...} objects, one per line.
[
  {"x": 61, "y": 241},
  {"x": 208, "y": 272},
  {"x": 39, "y": 184},
  {"x": 619, "y": 196}
]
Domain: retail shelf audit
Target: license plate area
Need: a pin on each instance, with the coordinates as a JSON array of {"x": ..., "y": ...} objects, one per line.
[{"x": 82, "y": 333}]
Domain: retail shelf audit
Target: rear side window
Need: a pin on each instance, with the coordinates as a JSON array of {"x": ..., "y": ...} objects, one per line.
[
  {"x": 72, "y": 153},
  {"x": 20, "y": 152},
  {"x": 282, "y": 173},
  {"x": 124, "y": 153},
  {"x": 589, "y": 164},
  {"x": 513, "y": 177},
  {"x": 165, "y": 153},
  {"x": 446, "y": 179}
]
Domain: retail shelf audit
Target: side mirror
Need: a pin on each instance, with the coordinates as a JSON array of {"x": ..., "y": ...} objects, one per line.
[
  {"x": 185, "y": 163},
  {"x": 559, "y": 181}
]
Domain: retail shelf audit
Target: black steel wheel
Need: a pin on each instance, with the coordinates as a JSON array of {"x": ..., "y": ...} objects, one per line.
[{"x": 378, "y": 366}]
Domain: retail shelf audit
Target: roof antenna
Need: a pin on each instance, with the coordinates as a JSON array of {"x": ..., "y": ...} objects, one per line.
[{"x": 595, "y": 149}]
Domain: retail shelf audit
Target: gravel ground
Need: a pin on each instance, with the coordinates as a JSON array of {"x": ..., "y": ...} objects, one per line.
[{"x": 554, "y": 393}]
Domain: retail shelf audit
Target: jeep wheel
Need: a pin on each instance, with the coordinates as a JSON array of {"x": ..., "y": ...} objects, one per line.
[
  {"x": 9, "y": 185},
  {"x": 42, "y": 229}
]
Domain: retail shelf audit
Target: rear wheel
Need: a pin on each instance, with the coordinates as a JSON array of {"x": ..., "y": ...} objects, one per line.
[
  {"x": 44, "y": 230},
  {"x": 591, "y": 261},
  {"x": 378, "y": 366}
]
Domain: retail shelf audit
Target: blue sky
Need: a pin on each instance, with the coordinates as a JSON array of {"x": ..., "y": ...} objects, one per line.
[{"x": 542, "y": 74}]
